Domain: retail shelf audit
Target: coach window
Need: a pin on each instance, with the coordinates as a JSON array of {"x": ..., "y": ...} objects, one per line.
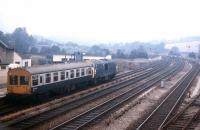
[
  {"x": 55, "y": 76},
  {"x": 82, "y": 72},
  {"x": 35, "y": 80},
  {"x": 72, "y": 74},
  {"x": 77, "y": 73},
  {"x": 48, "y": 78},
  {"x": 41, "y": 79},
  {"x": 62, "y": 75},
  {"x": 13, "y": 80},
  {"x": 24, "y": 80},
  {"x": 67, "y": 75}
]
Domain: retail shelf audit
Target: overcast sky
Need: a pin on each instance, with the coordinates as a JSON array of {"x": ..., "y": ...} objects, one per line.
[{"x": 103, "y": 20}]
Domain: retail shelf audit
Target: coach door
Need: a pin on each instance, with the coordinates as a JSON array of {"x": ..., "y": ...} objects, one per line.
[{"x": 41, "y": 79}]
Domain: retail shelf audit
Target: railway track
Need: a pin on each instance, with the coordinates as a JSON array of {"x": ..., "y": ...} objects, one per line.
[
  {"x": 32, "y": 121},
  {"x": 152, "y": 65},
  {"x": 162, "y": 113},
  {"x": 97, "y": 112},
  {"x": 7, "y": 108},
  {"x": 187, "y": 118}
]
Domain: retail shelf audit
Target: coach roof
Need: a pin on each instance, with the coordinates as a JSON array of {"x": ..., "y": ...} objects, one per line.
[{"x": 57, "y": 67}]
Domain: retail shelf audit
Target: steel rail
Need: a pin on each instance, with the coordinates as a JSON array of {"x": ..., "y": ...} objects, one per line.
[
  {"x": 161, "y": 114},
  {"x": 74, "y": 104},
  {"x": 177, "y": 116},
  {"x": 84, "y": 119}
]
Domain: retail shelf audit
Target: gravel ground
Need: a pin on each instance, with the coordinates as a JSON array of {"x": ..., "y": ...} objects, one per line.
[
  {"x": 126, "y": 117},
  {"x": 75, "y": 112},
  {"x": 127, "y": 64},
  {"x": 85, "y": 107},
  {"x": 193, "y": 92},
  {"x": 196, "y": 92}
]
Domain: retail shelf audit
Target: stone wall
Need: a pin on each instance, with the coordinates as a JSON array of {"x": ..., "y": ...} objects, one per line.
[
  {"x": 6, "y": 55},
  {"x": 3, "y": 76}
]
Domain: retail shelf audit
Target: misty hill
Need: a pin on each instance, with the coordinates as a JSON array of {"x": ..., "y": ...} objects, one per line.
[
  {"x": 187, "y": 39},
  {"x": 26, "y": 43}
]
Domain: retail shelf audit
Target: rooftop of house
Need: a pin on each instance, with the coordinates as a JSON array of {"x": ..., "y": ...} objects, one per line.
[{"x": 2, "y": 44}]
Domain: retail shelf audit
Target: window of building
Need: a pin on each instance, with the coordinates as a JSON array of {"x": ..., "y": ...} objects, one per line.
[
  {"x": 82, "y": 72},
  {"x": 35, "y": 80},
  {"x": 26, "y": 64},
  {"x": 62, "y": 75},
  {"x": 17, "y": 62},
  {"x": 55, "y": 76},
  {"x": 48, "y": 78},
  {"x": 77, "y": 73},
  {"x": 67, "y": 75},
  {"x": 3, "y": 67},
  {"x": 72, "y": 74},
  {"x": 13, "y": 80},
  {"x": 24, "y": 80}
]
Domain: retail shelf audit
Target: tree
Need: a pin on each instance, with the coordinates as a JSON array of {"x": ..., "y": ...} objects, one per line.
[
  {"x": 138, "y": 53},
  {"x": 2, "y": 37},
  {"x": 120, "y": 54},
  {"x": 21, "y": 40},
  {"x": 105, "y": 52},
  {"x": 99, "y": 51},
  {"x": 142, "y": 52},
  {"x": 198, "y": 56},
  {"x": 34, "y": 50},
  {"x": 63, "y": 51},
  {"x": 174, "y": 51},
  {"x": 133, "y": 54},
  {"x": 55, "y": 49},
  {"x": 45, "y": 50},
  {"x": 192, "y": 55}
]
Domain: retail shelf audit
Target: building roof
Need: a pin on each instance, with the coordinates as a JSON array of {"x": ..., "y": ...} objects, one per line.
[
  {"x": 24, "y": 56},
  {"x": 57, "y": 67},
  {"x": 2, "y": 44}
]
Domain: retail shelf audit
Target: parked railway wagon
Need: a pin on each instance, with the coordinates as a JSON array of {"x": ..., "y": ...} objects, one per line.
[{"x": 57, "y": 78}]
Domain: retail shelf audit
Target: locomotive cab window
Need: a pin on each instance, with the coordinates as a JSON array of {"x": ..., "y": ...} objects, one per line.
[
  {"x": 48, "y": 78},
  {"x": 24, "y": 80},
  {"x": 13, "y": 80},
  {"x": 89, "y": 71},
  {"x": 35, "y": 80}
]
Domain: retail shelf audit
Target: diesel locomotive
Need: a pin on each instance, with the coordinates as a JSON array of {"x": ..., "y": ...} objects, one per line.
[{"x": 57, "y": 78}]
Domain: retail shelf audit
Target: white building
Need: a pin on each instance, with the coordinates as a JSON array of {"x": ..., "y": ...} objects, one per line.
[
  {"x": 22, "y": 61},
  {"x": 61, "y": 58},
  {"x": 185, "y": 46}
]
